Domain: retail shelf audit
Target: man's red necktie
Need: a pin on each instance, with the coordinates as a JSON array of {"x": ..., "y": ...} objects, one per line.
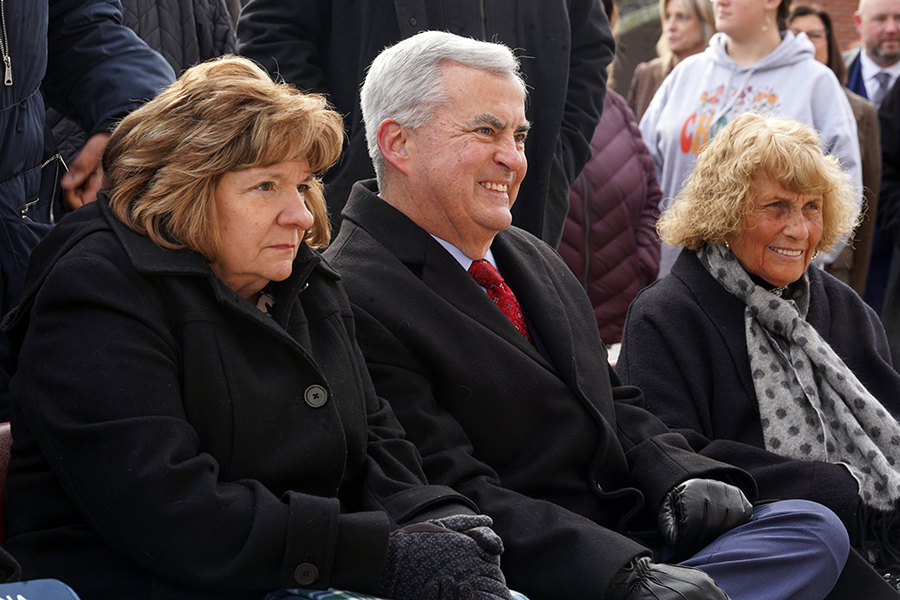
[{"x": 486, "y": 275}]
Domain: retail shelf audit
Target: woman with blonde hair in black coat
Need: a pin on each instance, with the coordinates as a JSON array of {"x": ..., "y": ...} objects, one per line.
[{"x": 759, "y": 359}]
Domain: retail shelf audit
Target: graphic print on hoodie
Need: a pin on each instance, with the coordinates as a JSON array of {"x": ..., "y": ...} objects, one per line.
[{"x": 702, "y": 125}]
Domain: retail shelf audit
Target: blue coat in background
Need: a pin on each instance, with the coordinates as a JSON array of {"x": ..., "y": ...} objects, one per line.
[{"x": 92, "y": 69}]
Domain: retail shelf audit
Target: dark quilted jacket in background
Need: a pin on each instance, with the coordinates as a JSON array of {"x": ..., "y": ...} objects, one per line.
[
  {"x": 185, "y": 32},
  {"x": 609, "y": 240}
]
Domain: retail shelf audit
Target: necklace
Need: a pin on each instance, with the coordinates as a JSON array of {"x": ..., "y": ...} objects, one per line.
[{"x": 779, "y": 290}]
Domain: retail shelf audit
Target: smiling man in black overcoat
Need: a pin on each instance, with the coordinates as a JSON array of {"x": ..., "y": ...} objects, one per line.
[{"x": 504, "y": 385}]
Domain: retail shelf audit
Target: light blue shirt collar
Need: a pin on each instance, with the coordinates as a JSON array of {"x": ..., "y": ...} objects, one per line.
[{"x": 461, "y": 257}]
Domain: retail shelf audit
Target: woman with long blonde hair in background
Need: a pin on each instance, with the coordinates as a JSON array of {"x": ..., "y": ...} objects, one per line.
[{"x": 687, "y": 26}]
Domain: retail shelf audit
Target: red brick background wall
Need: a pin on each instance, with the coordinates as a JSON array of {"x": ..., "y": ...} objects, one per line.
[{"x": 841, "y": 12}]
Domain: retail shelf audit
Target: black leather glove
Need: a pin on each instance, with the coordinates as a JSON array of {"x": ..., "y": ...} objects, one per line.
[
  {"x": 698, "y": 511},
  {"x": 428, "y": 562},
  {"x": 642, "y": 579}
]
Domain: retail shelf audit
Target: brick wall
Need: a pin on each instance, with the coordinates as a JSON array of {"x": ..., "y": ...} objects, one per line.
[{"x": 841, "y": 12}]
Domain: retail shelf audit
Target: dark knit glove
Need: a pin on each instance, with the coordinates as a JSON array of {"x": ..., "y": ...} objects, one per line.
[
  {"x": 698, "y": 511},
  {"x": 642, "y": 579},
  {"x": 429, "y": 562},
  {"x": 477, "y": 527}
]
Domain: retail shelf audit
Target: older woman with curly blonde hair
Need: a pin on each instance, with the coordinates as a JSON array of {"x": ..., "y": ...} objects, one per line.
[
  {"x": 759, "y": 359},
  {"x": 192, "y": 415},
  {"x": 722, "y": 197}
]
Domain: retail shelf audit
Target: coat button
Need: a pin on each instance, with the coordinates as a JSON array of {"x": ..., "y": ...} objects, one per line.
[
  {"x": 315, "y": 396},
  {"x": 306, "y": 573}
]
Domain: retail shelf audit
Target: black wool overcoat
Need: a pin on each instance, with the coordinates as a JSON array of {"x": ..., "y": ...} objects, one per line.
[
  {"x": 173, "y": 441},
  {"x": 562, "y": 457}
]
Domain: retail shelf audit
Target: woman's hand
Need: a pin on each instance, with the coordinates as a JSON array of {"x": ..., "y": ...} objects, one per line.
[{"x": 427, "y": 560}]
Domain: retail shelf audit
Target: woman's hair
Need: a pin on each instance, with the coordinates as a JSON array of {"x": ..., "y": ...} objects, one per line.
[
  {"x": 718, "y": 199},
  {"x": 702, "y": 9},
  {"x": 404, "y": 82},
  {"x": 165, "y": 159},
  {"x": 835, "y": 60},
  {"x": 782, "y": 14}
]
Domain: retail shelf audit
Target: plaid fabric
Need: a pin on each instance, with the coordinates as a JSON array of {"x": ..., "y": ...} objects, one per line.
[{"x": 301, "y": 594}]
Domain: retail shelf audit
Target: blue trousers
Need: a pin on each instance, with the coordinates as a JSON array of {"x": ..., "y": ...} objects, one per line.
[{"x": 789, "y": 550}]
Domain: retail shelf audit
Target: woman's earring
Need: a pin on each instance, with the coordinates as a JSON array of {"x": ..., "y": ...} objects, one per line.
[
  {"x": 815, "y": 254},
  {"x": 766, "y": 26}
]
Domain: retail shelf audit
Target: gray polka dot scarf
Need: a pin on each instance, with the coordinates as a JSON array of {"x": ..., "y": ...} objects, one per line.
[{"x": 811, "y": 404}]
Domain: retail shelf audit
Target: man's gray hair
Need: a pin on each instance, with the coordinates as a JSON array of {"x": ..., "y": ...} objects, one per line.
[{"x": 403, "y": 82}]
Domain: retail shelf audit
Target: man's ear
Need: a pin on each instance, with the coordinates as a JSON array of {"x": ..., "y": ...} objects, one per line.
[{"x": 395, "y": 144}]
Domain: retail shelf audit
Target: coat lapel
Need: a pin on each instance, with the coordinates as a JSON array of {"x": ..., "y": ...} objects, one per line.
[
  {"x": 446, "y": 277},
  {"x": 533, "y": 281},
  {"x": 720, "y": 307},
  {"x": 436, "y": 268}
]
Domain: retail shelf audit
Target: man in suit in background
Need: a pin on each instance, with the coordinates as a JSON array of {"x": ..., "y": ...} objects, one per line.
[
  {"x": 872, "y": 69},
  {"x": 878, "y": 25},
  {"x": 504, "y": 385}
]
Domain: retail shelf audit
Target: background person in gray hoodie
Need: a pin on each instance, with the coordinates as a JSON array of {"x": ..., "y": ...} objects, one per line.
[{"x": 751, "y": 65}]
